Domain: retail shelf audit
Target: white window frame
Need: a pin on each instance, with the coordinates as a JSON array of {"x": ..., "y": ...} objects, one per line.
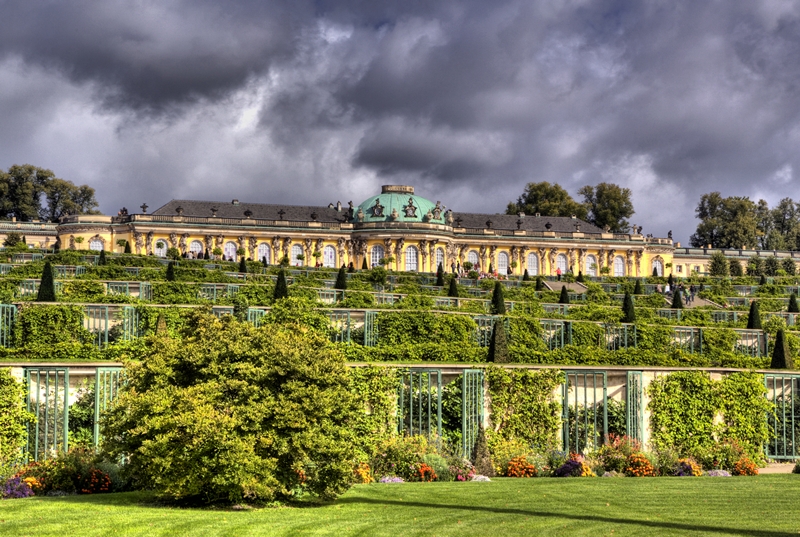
[
  {"x": 329, "y": 257},
  {"x": 533, "y": 264},
  {"x": 376, "y": 254},
  {"x": 412, "y": 259}
]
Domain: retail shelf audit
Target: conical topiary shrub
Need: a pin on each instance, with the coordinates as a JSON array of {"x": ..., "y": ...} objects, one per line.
[
  {"x": 671, "y": 280},
  {"x": 498, "y": 344},
  {"x": 655, "y": 272},
  {"x": 754, "y": 317},
  {"x": 781, "y": 358},
  {"x": 580, "y": 279},
  {"x": 341, "y": 280},
  {"x": 793, "y": 304},
  {"x": 102, "y": 259},
  {"x": 281, "y": 290},
  {"x": 127, "y": 247},
  {"x": 242, "y": 265},
  {"x": 628, "y": 311},
  {"x": 439, "y": 276},
  {"x": 525, "y": 276},
  {"x": 47, "y": 287},
  {"x": 161, "y": 325},
  {"x": 171, "y": 271},
  {"x": 364, "y": 264},
  {"x": 491, "y": 268},
  {"x": 452, "y": 291},
  {"x": 762, "y": 280},
  {"x": 481, "y": 458},
  {"x": 563, "y": 298},
  {"x": 498, "y": 299},
  {"x": 539, "y": 284},
  {"x": 677, "y": 301},
  {"x": 351, "y": 268},
  {"x": 637, "y": 289}
]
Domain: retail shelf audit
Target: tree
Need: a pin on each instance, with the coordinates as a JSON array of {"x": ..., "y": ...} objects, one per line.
[
  {"x": 481, "y": 458},
  {"x": 671, "y": 280},
  {"x": 364, "y": 264},
  {"x": 788, "y": 266},
  {"x": 735, "y": 268},
  {"x": 793, "y": 308},
  {"x": 242, "y": 265},
  {"x": 628, "y": 311},
  {"x": 718, "y": 264},
  {"x": 266, "y": 410},
  {"x": 13, "y": 420},
  {"x": 755, "y": 266},
  {"x": 127, "y": 249},
  {"x": 525, "y": 276},
  {"x": 762, "y": 280},
  {"x": 102, "y": 259},
  {"x": 47, "y": 287},
  {"x": 452, "y": 291},
  {"x": 439, "y": 276},
  {"x": 341, "y": 280},
  {"x": 65, "y": 198},
  {"x": 498, "y": 344},
  {"x": 548, "y": 200},
  {"x": 580, "y": 278},
  {"x": 171, "y": 271},
  {"x": 771, "y": 266},
  {"x": 781, "y": 356},
  {"x": 12, "y": 239},
  {"x": 564, "y": 296},
  {"x": 655, "y": 272},
  {"x": 217, "y": 252},
  {"x": 173, "y": 253},
  {"x": 754, "y": 317},
  {"x": 498, "y": 299},
  {"x": 281, "y": 290},
  {"x": 637, "y": 288},
  {"x": 725, "y": 222},
  {"x": 677, "y": 301},
  {"x": 609, "y": 205},
  {"x": 539, "y": 284},
  {"x": 23, "y": 188}
]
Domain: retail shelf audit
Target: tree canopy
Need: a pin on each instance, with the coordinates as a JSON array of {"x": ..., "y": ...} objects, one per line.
[
  {"x": 547, "y": 199},
  {"x": 28, "y": 193},
  {"x": 609, "y": 205}
]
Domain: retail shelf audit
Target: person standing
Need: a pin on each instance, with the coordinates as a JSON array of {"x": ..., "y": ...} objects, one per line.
[{"x": 558, "y": 273}]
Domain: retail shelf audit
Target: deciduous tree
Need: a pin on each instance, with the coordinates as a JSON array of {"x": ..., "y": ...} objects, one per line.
[
  {"x": 609, "y": 205},
  {"x": 548, "y": 200}
]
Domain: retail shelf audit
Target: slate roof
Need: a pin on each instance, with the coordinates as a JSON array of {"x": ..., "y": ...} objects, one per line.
[{"x": 302, "y": 213}]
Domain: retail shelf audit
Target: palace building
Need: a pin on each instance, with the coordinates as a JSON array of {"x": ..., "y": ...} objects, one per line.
[{"x": 407, "y": 231}]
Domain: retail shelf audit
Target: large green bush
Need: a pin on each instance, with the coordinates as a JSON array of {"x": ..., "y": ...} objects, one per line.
[
  {"x": 232, "y": 412},
  {"x": 13, "y": 417}
]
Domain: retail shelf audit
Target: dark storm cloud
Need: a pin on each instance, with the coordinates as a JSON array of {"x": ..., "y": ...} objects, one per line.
[{"x": 469, "y": 100}]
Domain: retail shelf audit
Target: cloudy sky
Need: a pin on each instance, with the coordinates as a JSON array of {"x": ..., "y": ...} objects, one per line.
[{"x": 317, "y": 101}]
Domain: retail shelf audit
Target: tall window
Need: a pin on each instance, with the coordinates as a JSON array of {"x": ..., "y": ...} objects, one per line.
[
  {"x": 533, "y": 264},
  {"x": 329, "y": 256},
  {"x": 591, "y": 265},
  {"x": 411, "y": 258},
  {"x": 376, "y": 255},
  {"x": 264, "y": 251},
  {"x": 296, "y": 250},
  {"x": 502, "y": 263},
  {"x": 440, "y": 258},
  {"x": 658, "y": 266},
  {"x": 196, "y": 247},
  {"x": 96, "y": 245},
  {"x": 472, "y": 257},
  {"x": 619, "y": 266},
  {"x": 561, "y": 262},
  {"x": 229, "y": 251},
  {"x": 160, "y": 248}
]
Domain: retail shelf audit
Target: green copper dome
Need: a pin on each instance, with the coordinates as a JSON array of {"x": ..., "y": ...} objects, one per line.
[{"x": 397, "y": 203}]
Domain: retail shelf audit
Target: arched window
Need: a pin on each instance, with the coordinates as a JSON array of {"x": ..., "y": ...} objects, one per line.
[
  {"x": 502, "y": 263},
  {"x": 297, "y": 250},
  {"x": 658, "y": 266},
  {"x": 264, "y": 251},
  {"x": 472, "y": 257},
  {"x": 196, "y": 247},
  {"x": 561, "y": 262},
  {"x": 440, "y": 258},
  {"x": 533, "y": 264},
  {"x": 376, "y": 255},
  {"x": 96, "y": 245},
  {"x": 230, "y": 250},
  {"x": 329, "y": 256},
  {"x": 619, "y": 266},
  {"x": 160, "y": 248},
  {"x": 411, "y": 258},
  {"x": 591, "y": 265}
]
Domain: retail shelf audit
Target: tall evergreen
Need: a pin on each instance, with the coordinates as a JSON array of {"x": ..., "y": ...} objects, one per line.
[
  {"x": 793, "y": 304},
  {"x": 47, "y": 287},
  {"x": 481, "y": 458},
  {"x": 341, "y": 279},
  {"x": 439, "y": 276},
  {"x": 498, "y": 299},
  {"x": 452, "y": 291},
  {"x": 564, "y": 296},
  {"x": 671, "y": 280},
  {"x": 762, "y": 280},
  {"x": 171, "y": 271},
  {"x": 735, "y": 268},
  {"x": 491, "y": 268},
  {"x": 498, "y": 344},
  {"x": 781, "y": 357},
  {"x": 364, "y": 264},
  {"x": 128, "y": 247},
  {"x": 655, "y": 272},
  {"x": 264, "y": 262},
  {"x": 102, "y": 259},
  {"x": 281, "y": 290},
  {"x": 539, "y": 284},
  {"x": 242, "y": 265},
  {"x": 628, "y": 311},
  {"x": 677, "y": 301},
  {"x": 637, "y": 289},
  {"x": 754, "y": 317},
  {"x": 580, "y": 278},
  {"x": 351, "y": 268},
  {"x": 525, "y": 276}
]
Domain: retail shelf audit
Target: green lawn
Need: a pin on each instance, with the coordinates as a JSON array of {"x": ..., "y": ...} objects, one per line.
[{"x": 766, "y": 506}]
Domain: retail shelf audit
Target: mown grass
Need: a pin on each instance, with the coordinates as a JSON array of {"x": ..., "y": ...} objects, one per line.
[{"x": 763, "y": 506}]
